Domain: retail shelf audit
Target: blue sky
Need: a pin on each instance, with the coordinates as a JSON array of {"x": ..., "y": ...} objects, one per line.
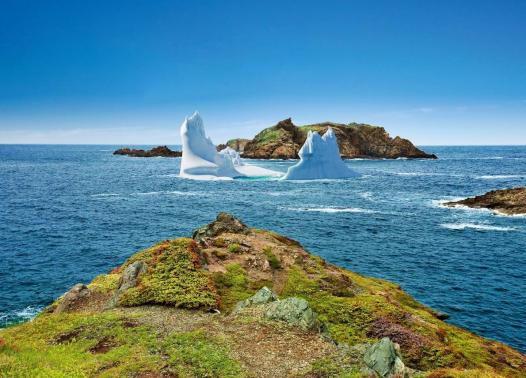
[{"x": 437, "y": 72}]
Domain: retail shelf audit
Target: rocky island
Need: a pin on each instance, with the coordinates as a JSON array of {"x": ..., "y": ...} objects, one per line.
[
  {"x": 503, "y": 201},
  {"x": 234, "y": 301},
  {"x": 355, "y": 140},
  {"x": 160, "y": 151}
]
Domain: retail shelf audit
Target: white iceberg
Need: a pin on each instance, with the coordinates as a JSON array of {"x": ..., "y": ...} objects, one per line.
[
  {"x": 201, "y": 160},
  {"x": 234, "y": 155},
  {"x": 319, "y": 159}
]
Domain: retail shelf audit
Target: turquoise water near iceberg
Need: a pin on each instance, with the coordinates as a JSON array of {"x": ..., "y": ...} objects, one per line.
[{"x": 68, "y": 213}]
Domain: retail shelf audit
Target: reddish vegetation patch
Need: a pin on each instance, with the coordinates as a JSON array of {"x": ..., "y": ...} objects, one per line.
[
  {"x": 130, "y": 323},
  {"x": 194, "y": 251},
  {"x": 103, "y": 346},
  {"x": 66, "y": 337},
  {"x": 409, "y": 341},
  {"x": 154, "y": 374},
  {"x": 116, "y": 270}
]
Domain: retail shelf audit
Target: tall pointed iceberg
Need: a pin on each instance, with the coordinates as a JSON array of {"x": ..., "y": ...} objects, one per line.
[
  {"x": 319, "y": 159},
  {"x": 201, "y": 160},
  {"x": 200, "y": 157}
]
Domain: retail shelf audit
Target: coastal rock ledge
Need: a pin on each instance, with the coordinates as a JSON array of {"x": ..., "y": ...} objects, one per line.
[
  {"x": 235, "y": 301},
  {"x": 502, "y": 201}
]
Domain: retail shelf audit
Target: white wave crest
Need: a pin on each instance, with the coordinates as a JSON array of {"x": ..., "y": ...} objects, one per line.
[
  {"x": 499, "y": 177},
  {"x": 332, "y": 209},
  {"x": 474, "y": 226}
]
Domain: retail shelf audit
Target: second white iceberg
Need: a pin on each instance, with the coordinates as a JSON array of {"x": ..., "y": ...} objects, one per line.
[{"x": 320, "y": 159}]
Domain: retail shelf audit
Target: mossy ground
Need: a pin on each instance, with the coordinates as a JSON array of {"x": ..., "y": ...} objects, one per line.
[
  {"x": 109, "y": 345},
  {"x": 180, "y": 339}
]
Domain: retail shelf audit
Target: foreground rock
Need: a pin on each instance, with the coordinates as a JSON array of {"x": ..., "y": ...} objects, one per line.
[
  {"x": 384, "y": 359},
  {"x": 161, "y": 151},
  {"x": 240, "y": 302},
  {"x": 503, "y": 201},
  {"x": 284, "y": 140}
]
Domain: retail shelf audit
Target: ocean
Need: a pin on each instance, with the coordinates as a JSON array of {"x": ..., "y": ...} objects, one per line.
[{"x": 71, "y": 212}]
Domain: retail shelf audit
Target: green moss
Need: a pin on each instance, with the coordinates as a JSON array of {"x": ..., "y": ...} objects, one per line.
[
  {"x": 220, "y": 254},
  {"x": 234, "y": 248},
  {"x": 233, "y": 286},
  {"x": 105, "y": 283},
  {"x": 272, "y": 258},
  {"x": 174, "y": 277},
  {"x": 59, "y": 346},
  {"x": 348, "y": 318},
  {"x": 270, "y": 134},
  {"x": 192, "y": 354}
]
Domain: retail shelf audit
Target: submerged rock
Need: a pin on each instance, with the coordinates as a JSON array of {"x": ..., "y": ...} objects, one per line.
[
  {"x": 503, "y": 201},
  {"x": 385, "y": 360}
]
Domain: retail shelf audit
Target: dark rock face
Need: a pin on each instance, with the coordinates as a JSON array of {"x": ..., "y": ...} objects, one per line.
[
  {"x": 284, "y": 140},
  {"x": 161, "y": 151},
  {"x": 73, "y": 298},
  {"x": 224, "y": 223},
  {"x": 504, "y": 201}
]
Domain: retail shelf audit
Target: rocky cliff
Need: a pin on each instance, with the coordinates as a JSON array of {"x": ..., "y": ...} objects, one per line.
[
  {"x": 234, "y": 301},
  {"x": 503, "y": 201},
  {"x": 284, "y": 140}
]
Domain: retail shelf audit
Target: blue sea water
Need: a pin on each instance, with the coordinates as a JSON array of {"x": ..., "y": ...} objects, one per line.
[{"x": 68, "y": 213}]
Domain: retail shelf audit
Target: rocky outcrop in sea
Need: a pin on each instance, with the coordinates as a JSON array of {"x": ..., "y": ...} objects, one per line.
[
  {"x": 284, "y": 140},
  {"x": 502, "y": 201},
  {"x": 160, "y": 151}
]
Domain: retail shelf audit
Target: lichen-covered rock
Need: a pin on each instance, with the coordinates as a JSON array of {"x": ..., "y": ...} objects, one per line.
[
  {"x": 384, "y": 359},
  {"x": 224, "y": 223},
  {"x": 264, "y": 295},
  {"x": 295, "y": 311},
  {"x": 72, "y": 298}
]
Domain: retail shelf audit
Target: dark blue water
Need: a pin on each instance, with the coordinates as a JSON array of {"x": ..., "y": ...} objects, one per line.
[{"x": 68, "y": 213}]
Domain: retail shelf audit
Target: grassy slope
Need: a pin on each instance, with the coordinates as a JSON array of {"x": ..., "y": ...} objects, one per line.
[{"x": 181, "y": 338}]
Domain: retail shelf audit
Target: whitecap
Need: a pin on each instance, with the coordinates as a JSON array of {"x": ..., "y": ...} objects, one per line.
[
  {"x": 105, "y": 195},
  {"x": 474, "y": 226},
  {"x": 499, "y": 177},
  {"x": 331, "y": 209}
]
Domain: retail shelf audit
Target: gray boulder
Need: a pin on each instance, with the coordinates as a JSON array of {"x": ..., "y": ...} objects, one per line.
[
  {"x": 384, "y": 359},
  {"x": 295, "y": 311},
  {"x": 264, "y": 295},
  {"x": 71, "y": 299},
  {"x": 129, "y": 279}
]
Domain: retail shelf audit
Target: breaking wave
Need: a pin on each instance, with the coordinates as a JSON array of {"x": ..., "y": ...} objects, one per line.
[{"x": 474, "y": 226}]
